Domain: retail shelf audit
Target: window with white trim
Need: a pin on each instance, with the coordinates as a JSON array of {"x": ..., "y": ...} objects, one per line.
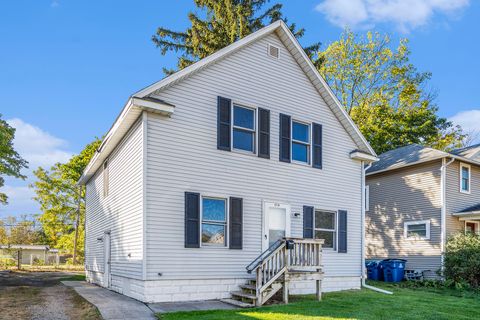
[
  {"x": 214, "y": 221},
  {"x": 244, "y": 128},
  {"x": 326, "y": 227},
  {"x": 417, "y": 229},
  {"x": 300, "y": 142},
  {"x": 106, "y": 179},
  {"x": 465, "y": 176}
]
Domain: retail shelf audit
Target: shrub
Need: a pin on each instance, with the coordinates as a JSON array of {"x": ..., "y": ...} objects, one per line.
[{"x": 462, "y": 261}]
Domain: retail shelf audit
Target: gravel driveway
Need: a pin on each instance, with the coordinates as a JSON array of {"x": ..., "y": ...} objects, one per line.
[{"x": 40, "y": 295}]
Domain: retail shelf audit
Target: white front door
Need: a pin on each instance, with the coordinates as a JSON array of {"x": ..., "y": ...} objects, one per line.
[
  {"x": 106, "y": 259},
  {"x": 276, "y": 223}
]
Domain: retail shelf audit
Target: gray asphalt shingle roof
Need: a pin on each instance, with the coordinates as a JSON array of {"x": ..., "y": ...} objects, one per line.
[
  {"x": 471, "y": 209},
  {"x": 472, "y": 152},
  {"x": 403, "y": 156}
]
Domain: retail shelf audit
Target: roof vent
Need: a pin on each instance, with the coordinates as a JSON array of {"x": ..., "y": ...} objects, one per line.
[{"x": 273, "y": 51}]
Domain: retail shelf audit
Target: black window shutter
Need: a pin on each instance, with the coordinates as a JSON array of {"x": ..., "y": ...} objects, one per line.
[
  {"x": 285, "y": 138},
  {"x": 308, "y": 222},
  {"x": 192, "y": 220},
  {"x": 263, "y": 133},
  {"x": 317, "y": 146},
  {"x": 236, "y": 223},
  {"x": 342, "y": 231},
  {"x": 223, "y": 123}
]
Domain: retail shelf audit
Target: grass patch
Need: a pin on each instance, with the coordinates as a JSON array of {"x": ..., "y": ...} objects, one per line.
[
  {"x": 50, "y": 268},
  {"x": 75, "y": 277},
  {"x": 405, "y": 303},
  {"x": 14, "y": 301}
]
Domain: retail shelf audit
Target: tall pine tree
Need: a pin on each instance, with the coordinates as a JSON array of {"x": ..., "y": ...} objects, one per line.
[{"x": 220, "y": 23}]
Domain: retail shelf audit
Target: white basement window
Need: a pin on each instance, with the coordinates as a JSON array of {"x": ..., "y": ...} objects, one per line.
[
  {"x": 214, "y": 221},
  {"x": 417, "y": 230},
  {"x": 465, "y": 176}
]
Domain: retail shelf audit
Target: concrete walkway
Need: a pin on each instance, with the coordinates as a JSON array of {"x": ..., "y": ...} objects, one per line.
[
  {"x": 112, "y": 306},
  {"x": 164, "y": 307}
]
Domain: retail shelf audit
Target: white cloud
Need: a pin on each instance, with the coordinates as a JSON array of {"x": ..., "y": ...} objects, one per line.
[
  {"x": 470, "y": 122},
  {"x": 405, "y": 15},
  {"x": 39, "y": 148}
]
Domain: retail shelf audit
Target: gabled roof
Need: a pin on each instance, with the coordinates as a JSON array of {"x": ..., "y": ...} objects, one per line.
[
  {"x": 412, "y": 154},
  {"x": 290, "y": 42},
  {"x": 471, "y": 152},
  {"x": 475, "y": 208}
]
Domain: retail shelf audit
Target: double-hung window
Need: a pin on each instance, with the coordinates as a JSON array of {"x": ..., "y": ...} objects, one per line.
[
  {"x": 326, "y": 227},
  {"x": 244, "y": 128},
  {"x": 464, "y": 178},
  {"x": 214, "y": 221},
  {"x": 300, "y": 142},
  {"x": 417, "y": 229}
]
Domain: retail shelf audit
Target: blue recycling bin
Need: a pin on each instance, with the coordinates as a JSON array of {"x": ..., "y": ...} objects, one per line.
[
  {"x": 393, "y": 270},
  {"x": 374, "y": 270}
]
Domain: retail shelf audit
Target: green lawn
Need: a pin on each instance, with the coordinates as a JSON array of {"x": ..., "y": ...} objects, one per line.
[{"x": 434, "y": 304}]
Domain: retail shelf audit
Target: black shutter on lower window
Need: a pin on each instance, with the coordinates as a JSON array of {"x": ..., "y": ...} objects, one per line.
[
  {"x": 192, "y": 220},
  {"x": 342, "y": 231},
  {"x": 236, "y": 223},
  {"x": 308, "y": 222},
  {"x": 224, "y": 111},
  {"x": 263, "y": 133},
  {"x": 285, "y": 124},
  {"x": 317, "y": 146}
]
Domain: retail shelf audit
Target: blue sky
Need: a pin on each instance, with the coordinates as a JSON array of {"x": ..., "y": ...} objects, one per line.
[{"x": 67, "y": 67}]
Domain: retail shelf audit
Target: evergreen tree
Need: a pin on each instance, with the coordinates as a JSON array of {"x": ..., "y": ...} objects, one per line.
[{"x": 221, "y": 23}]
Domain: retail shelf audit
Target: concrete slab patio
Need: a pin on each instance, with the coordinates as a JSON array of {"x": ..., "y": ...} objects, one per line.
[
  {"x": 164, "y": 307},
  {"x": 112, "y": 306}
]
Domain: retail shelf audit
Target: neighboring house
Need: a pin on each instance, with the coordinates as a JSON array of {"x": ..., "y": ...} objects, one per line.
[
  {"x": 416, "y": 198},
  {"x": 30, "y": 254},
  {"x": 204, "y": 170}
]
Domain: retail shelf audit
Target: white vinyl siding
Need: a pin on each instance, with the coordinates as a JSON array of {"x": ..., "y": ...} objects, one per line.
[
  {"x": 398, "y": 197},
  {"x": 121, "y": 212},
  {"x": 183, "y": 156}
]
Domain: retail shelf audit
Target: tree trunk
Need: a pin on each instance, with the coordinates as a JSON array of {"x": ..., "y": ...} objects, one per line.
[{"x": 77, "y": 222}]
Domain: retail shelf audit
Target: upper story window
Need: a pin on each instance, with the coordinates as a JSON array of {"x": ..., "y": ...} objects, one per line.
[
  {"x": 243, "y": 128},
  {"x": 465, "y": 176},
  {"x": 326, "y": 227},
  {"x": 214, "y": 221},
  {"x": 417, "y": 229},
  {"x": 106, "y": 179},
  {"x": 300, "y": 142},
  {"x": 367, "y": 198}
]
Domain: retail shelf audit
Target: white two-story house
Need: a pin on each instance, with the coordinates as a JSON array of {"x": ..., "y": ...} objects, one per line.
[{"x": 206, "y": 169}]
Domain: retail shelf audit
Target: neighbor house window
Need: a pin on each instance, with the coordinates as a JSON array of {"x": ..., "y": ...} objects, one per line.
[
  {"x": 214, "y": 221},
  {"x": 106, "y": 179},
  {"x": 464, "y": 178},
  {"x": 326, "y": 227},
  {"x": 243, "y": 128},
  {"x": 417, "y": 229},
  {"x": 300, "y": 142}
]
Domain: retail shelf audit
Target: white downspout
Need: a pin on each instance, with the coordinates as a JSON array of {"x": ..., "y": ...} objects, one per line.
[
  {"x": 364, "y": 169},
  {"x": 443, "y": 215}
]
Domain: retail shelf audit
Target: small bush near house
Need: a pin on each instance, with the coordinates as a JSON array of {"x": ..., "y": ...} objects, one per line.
[{"x": 462, "y": 261}]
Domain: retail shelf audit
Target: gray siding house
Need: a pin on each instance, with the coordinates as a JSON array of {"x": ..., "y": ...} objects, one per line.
[
  {"x": 209, "y": 167},
  {"x": 416, "y": 198}
]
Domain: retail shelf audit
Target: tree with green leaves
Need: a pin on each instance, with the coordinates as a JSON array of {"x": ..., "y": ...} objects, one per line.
[
  {"x": 220, "y": 23},
  {"x": 62, "y": 201},
  {"x": 11, "y": 163},
  {"x": 384, "y": 93}
]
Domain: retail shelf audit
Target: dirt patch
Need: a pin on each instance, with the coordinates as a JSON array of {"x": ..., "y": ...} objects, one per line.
[{"x": 35, "y": 296}]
